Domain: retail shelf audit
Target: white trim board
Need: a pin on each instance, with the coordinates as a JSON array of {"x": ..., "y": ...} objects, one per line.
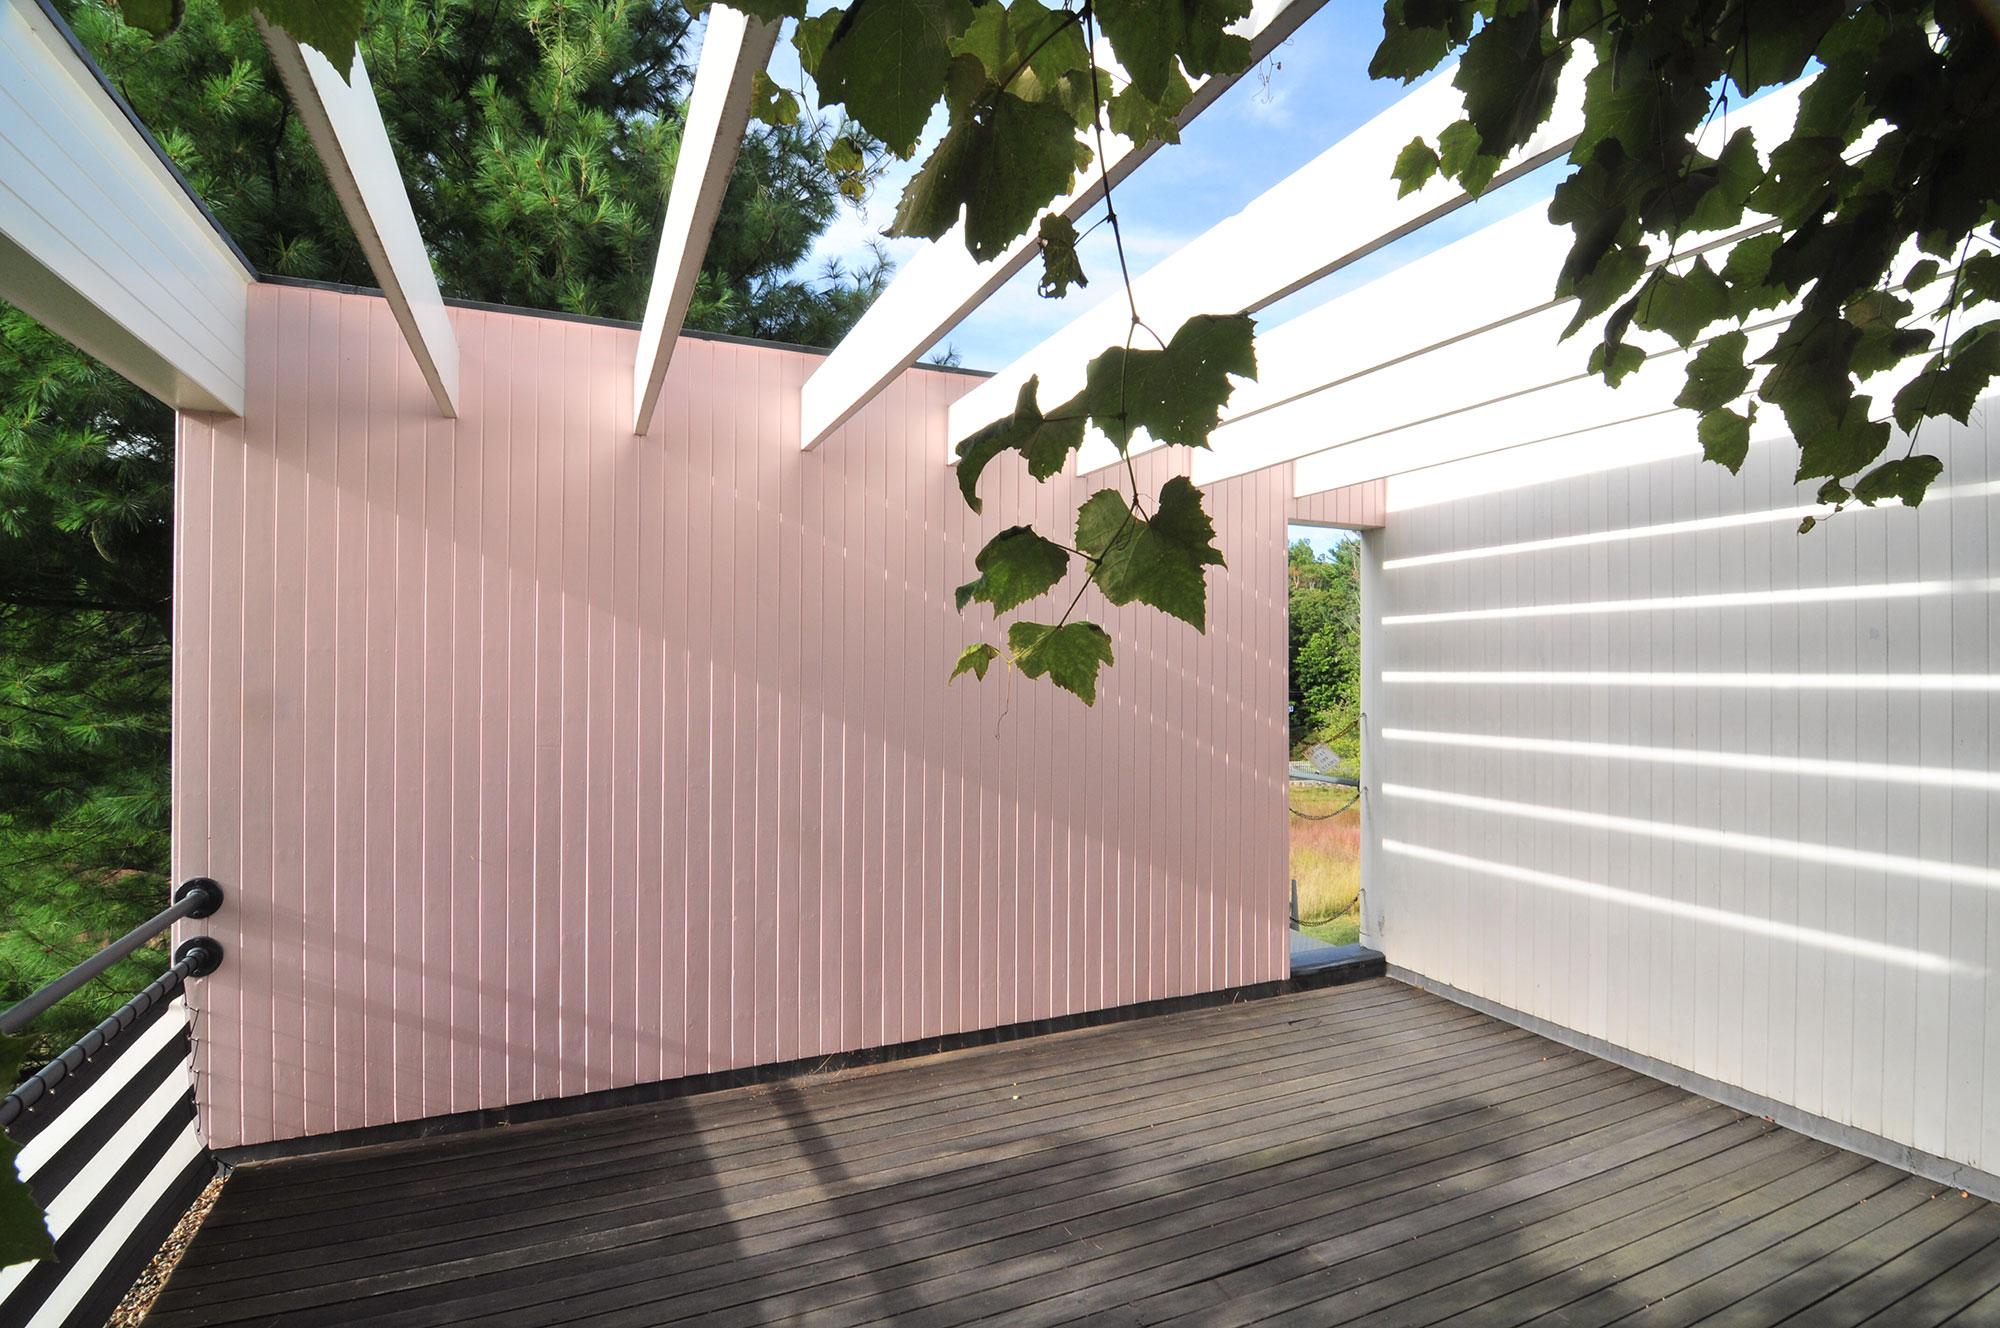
[
  {"x": 344, "y": 122},
  {"x": 99, "y": 240},
  {"x": 733, "y": 50}
]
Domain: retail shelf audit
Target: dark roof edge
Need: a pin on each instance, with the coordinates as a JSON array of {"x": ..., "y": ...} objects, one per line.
[
  {"x": 560, "y": 316},
  {"x": 145, "y": 134}
]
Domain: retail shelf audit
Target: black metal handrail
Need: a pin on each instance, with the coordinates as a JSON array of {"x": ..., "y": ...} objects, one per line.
[
  {"x": 197, "y": 898},
  {"x": 197, "y": 957}
]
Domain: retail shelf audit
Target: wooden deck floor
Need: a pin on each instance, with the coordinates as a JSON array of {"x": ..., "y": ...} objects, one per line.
[{"x": 1365, "y": 1154}]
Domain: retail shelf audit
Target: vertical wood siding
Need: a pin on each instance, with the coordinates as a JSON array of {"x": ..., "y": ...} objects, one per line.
[
  {"x": 539, "y": 758},
  {"x": 1683, "y": 867},
  {"x": 1357, "y": 506}
]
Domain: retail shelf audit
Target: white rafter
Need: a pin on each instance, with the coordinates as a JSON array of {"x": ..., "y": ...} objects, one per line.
[
  {"x": 344, "y": 122},
  {"x": 1337, "y": 208},
  {"x": 942, "y": 283},
  {"x": 99, "y": 239},
  {"x": 733, "y": 50},
  {"x": 1436, "y": 341}
]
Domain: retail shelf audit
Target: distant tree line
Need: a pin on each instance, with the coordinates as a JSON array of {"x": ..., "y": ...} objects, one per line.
[{"x": 1325, "y": 603}]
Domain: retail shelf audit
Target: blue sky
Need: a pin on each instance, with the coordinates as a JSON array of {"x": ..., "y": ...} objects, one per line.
[
  {"x": 1319, "y": 537},
  {"x": 1308, "y": 95}
]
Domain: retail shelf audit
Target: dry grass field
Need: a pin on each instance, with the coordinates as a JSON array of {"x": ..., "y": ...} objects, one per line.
[{"x": 1326, "y": 862}]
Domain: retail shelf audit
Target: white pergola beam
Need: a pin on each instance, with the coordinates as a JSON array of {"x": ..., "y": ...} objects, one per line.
[
  {"x": 100, "y": 240},
  {"x": 1337, "y": 208},
  {"x": 344, "y": 122},
  {"x": 1466, "y": 324},
  {"x": 941, "y": 283},
  {"x": 733, "y": 50}
]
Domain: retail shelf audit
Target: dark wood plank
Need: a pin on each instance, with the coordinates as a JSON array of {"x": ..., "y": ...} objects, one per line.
[
  {"x": 750, "y": 1200},
  {"x": 1338, "y": 1081},
  {"x": 764, "y": 1118},
  {"x": 906, "y": 1227},
  {"x": 1749, "y": 1276},
  {"x": 1809, "y": 1284},
  {"x": 1367, "y": 1154}
]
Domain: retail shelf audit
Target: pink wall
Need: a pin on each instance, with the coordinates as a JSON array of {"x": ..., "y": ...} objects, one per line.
[
  {"x": 1358, "y": 506},
  {"x": 539, "y": 758}
]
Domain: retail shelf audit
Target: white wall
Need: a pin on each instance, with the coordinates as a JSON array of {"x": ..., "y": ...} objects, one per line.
[{"x": 1818, "y": 935}]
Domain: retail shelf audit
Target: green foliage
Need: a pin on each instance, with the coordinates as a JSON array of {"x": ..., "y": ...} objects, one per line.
[
  {"x": 1044, "y": 441},
  {"x": 24, "y": 1233},
  {"x": 1148, "y": 36},
  {"x": 1000, "y": 164},
  {"x": 886, "y": 62},
  {"x": 1325, "y": 651},
  {"x": 1016, "y": 566},
  {"x": 1060, "y": 268},
  {"x": 1175, "y": 394},
  {"x": 86, "y": 505},
  {"x": 538, "y": 141},
  {"x": 1924, "y": 74},
  {"x": 1068, "y": 654},
  {"x": 1021, "y": 91},
  {"x": 1158, "y": 560},
  {"x": 975, "y": 659}
]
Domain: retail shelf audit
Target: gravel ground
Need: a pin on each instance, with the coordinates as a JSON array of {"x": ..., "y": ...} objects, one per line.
[{"x": 131, "y": 1311}]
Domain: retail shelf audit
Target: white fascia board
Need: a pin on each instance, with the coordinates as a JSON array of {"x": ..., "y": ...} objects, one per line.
[
  {"x": 1375, "y": 358},
  {"x": 941, "y": 283},
  {"x": 1339, "y": 207},
  {"x": 100, "y": 241},
  {"x": 344, "y": 122},
  {"x": 1550, "y": 400},
  {"x": 733, "y": 50}
]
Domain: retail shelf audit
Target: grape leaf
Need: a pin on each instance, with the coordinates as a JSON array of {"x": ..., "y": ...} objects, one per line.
[
  {"x": 1176, "y": 395},
  {"x": 1717, "y": 374},
  {"x": 1068, "y": 654},
  {"x": 1726, "y": 184},
  {"x": 1143, "y": 119},
  {"x": 775, "y": 105},
  {"x": 1045, "y": 442},
  {"x": 1001, "y": 163},
  {"x": 24, "y": 1232},
  {"x": 1157, "y": 561},
  {"x": 1683, "y": 305},
  {"x": 1725, "y": 437},
  {"x": 1748, "y": 269},
  {"x": 1460, "y": 158},
  {"x": 331, "y": 27},
  {"x": 1060, "y": 268},
  {"x": 1954, "y": 380},
  {"x": 1509, "y": 75},
  {"x": 886, "y": 63},
  {"x": 1008, "y": 39},
  {"x": 1148, "y": 34},
  {"x": 1921, "y": 274},
  {"x": 974, "y": 660},
  {"x": 1415, "y": 165},
  {"x": 1906, "y": 478},
  {"x": 1841, "y": 446},
  {"x": 1978, "y": 279},
  {"x": 1624, "y": 358},
  {"x": 812, "y": 37},
  {"x": 1416, "y": 37},
  {"x": 1017, "y": 565}
]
